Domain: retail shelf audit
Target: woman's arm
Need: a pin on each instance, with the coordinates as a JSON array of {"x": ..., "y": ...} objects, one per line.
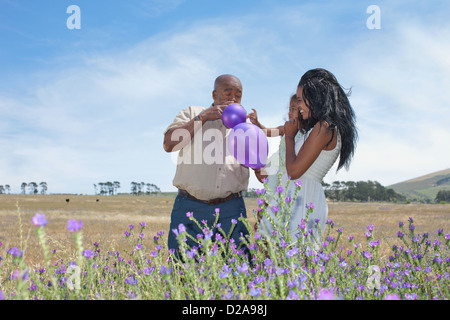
[{"x": 318, "y": 140}]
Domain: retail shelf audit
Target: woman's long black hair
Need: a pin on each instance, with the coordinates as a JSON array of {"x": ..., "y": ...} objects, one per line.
[{"x": 328, "y": 102}]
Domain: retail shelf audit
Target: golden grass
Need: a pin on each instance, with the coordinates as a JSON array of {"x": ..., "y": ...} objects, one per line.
[{"x": 106, "y": 220}]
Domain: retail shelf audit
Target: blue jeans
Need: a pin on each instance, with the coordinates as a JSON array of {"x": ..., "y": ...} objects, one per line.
[{"x": 229, "y": 210}]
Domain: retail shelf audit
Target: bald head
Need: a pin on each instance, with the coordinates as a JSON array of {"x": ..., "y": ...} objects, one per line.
[
  {"x": 226, "y": 78},
  {"x": 227, "y": 89}
]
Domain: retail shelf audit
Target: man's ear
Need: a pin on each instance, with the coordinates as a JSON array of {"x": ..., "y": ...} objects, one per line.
[{"x": 214, "y": 94}]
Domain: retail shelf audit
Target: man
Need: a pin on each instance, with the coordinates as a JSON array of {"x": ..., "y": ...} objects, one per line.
[{"x": 209, "y": 182}]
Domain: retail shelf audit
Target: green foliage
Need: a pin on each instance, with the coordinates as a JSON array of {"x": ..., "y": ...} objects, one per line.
[
  {"x": 361, "y": 191},
  {"x": 442, "y": 196}
]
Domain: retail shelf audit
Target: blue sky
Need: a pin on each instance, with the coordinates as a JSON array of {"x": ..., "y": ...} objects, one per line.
[{"x": 84, "y": 106}]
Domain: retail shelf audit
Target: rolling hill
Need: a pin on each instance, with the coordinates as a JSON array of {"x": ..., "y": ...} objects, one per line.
[{"x": 425, "y": 187}]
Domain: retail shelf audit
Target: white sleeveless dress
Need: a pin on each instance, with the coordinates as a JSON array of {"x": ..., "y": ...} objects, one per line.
[{"x": 311, "y": 191}]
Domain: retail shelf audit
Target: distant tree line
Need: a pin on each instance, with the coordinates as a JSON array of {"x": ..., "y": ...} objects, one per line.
[
  {"x": 362, "y": 191},
  {"x": 442, "y": 196},
  {"x": 107, "y": 188},
  {"x": 30, "y": 187},
  {"x": 138, "y": 188},
  {"x": 5, "y": 189},
  {"x": 33, "y": 187}
]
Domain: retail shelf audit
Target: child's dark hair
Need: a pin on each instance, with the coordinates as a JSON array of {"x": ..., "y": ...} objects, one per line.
[{"x": 328, "y": 102}]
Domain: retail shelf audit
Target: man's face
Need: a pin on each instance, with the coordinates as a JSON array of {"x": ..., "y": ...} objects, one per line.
[{"x": 228, "y": 91}]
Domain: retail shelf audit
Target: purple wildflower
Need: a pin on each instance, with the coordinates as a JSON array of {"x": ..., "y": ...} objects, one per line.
[
  {"x": 260, "y": 201},
  {"x": 374, "y": 244},
  {"x": 255, "y": 292},
  {"x": 310, "y": 206},
  {"x": 15, "y": 252},
  {"x": 326, "y": 294},
  {"x": 130, "y": 280},
  {"x": 74, "y": 225},
  {"x": 39, "y": 220},
  {"x": 88, "y": 253},
  {"x": 189, "y": 214},
  {"x": 260, "y": 191},
  {"x": 181, "y": 228},
  {"x": 292, "y": 252}
]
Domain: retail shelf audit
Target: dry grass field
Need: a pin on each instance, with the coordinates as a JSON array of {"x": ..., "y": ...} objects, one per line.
[{"x": 106, "y": 220}]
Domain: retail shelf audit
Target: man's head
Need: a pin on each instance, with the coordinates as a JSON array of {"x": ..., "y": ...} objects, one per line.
[{"x": 227, "y": 90}]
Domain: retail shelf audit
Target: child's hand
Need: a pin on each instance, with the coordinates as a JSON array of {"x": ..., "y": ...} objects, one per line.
[{"x": 253, "y": 116}]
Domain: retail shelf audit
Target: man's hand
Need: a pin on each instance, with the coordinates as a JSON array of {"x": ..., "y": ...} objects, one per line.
[{"x": 214, "y": 112}]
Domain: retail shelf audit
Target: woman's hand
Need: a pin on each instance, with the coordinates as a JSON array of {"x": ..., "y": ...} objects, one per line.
[{"x": 291, "y": 127}]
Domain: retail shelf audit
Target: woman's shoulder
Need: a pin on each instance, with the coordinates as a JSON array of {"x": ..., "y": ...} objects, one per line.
[{"x": 324, "y": 131}]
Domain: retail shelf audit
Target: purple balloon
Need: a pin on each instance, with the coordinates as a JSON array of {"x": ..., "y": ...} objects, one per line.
[
  {"x": 249, "y": 145},
  {"x": 233, "y": 114}
]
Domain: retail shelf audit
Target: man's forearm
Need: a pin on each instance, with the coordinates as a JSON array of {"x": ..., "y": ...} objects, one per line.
[{"x": 178, "y": 137}]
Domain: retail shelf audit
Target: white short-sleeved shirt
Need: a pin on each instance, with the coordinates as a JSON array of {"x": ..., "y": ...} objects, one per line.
[{"x": 205, "y": 168}]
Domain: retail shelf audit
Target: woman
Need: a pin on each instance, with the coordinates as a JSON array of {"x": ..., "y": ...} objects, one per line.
[{"x": 328, "y": 122}]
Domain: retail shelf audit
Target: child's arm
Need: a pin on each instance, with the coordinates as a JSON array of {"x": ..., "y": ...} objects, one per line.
[{"x": 270, "y": 132}]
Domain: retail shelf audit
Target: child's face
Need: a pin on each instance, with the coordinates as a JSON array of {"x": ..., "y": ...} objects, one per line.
[
  {"x": 293, "y": 109},
  {"x": 303, "y": 108}
]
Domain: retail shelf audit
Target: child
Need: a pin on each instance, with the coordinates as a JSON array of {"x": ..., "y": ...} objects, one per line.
[
  {"x": 328, "y": 121},
  {"x": 278, "y": 131}
]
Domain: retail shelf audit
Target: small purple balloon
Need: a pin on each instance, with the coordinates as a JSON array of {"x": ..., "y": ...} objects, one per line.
[
  {"x": 249, "y": 145},
  {"x": 233, "y": 115}
]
